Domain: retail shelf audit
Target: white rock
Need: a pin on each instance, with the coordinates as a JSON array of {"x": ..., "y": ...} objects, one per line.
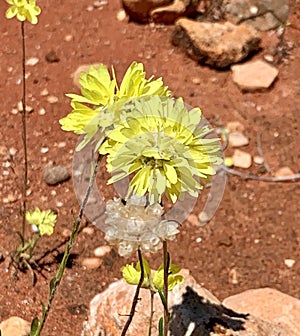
[
  {"x": 42, "y": 111},
  {"x": 32, "y": 61},
  {"x": 284, "y": 171},
  {"x": 91, "y": 263},
  {"x": 235, "y": 126},
  {"x": 44, "y": 92},
  {"x": 269, "y": 58},
  {"x": 237, "y": 139},
  {"x": 101, "y": 251},
  {"x": 289, "y": 262},
  {"x": 14, "y": 326},
  {"x": 121, "y": 15},
  {"x": 68, "y": 38},
  {"x": 258, "y": 160},
  {"x": 254, "y": 76},
  {"x": 241, "y": 159},
  {"x": 88, "y": 230},
  {"x": 52, "y": 99}
]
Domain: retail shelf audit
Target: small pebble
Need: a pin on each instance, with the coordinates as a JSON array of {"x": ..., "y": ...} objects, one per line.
[
  {"x": 258, "y": 160},
  {"x": 52, "y": 57},
  {"x": 44, "y": 150},
  {"x": 253, "y": 10},
  {"x": 91, "y": 263},
  {"x": 68, "y": 38},
  {"x": 61, "y": 144},
  {"x": 198, "y": 240},
  {"x": 233, "y": 276},
  {"x": 193, "y": 219},
  {"x": 203, "y": 218},
  {"x": 90, "y": 8},
  {"x": 284, "y": 171},
  {"x": 66, "y": 233},
  {"x": 241, "y": 159},
  {"x": 52, "y": 99},
  {"x": 269, "y": 58},
  {"x": 12, "y": 151},
  {"x": 237, "y": 139},
  {"x": 44, "y": 92},
  {"x": 14, "y": 111},
  {"x": 289, "y": 262},
  {"x": 59, "y": 204},
  {"x": 55, "y": 174},
  {"x": 101, "y": 251},
  {"x": 196, "y": 80},
  {"x": 32, "y": 61},
  {"x": 235, "y": 126},
  {"x": 121, "y": 15},
  {"x": 88, "y": 230},
  {"x": 42, "y": 111}
]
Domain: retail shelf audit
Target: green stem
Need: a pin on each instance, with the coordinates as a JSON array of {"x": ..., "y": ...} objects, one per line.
[
  {"x": 55, "y": 282},
  {"x": 166, "y": 258},
  {"x": 33, "y": 243},
  {"x": 24, "y": 136},
  {"x": 152, "y": 293},
  {"x": 136, "y": 295}
]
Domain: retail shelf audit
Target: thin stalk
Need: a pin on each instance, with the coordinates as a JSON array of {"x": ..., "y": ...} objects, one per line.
[
  {"x": 24, "y": 136},
  {"x": 136, "y": 296},
  {"x": 55, "y": 282},
  {"x": 151, "y": 311},
  {"x": 166, "y": 258}
]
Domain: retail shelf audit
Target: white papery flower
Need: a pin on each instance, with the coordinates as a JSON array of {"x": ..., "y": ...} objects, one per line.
[{"x": 134, "y": 226}]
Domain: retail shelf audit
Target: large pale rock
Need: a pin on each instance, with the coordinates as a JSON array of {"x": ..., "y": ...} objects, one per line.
[
  {"x": 270, "y": 305},
  {"x": 253, "y": 76},
  {"x": 260, "y": 14},
  {"x": 14, "y": 326},
  {"x": 215, "y": 44},
  {"x": 169, "y": 14},
  {"x": 195, "y": 311},
  {"x": 139, "y": 10}
]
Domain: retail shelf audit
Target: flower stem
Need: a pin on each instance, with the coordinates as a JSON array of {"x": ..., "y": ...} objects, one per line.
[
  {"x": 136, "y": 296},
  {"x": 166, "y": 258},
  {"x": 55, "y": 282},
  {"x": 152, "y": 293},
  {"x": 24, "y": 136}
]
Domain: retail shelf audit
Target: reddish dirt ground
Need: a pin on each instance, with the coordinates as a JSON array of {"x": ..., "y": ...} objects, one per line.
[{"x": 257, "y": 224}]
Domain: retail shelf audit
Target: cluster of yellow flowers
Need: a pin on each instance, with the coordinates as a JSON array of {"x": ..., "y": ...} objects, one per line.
[
  {"x": 23, "y": 10},
  {"x": 143, "y": 132}
]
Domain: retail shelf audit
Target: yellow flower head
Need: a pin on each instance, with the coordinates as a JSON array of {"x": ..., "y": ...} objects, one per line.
[
  {"x": 24, "y": 10},
  {"x": 164, "y": 148},
  {"x": 153, "y": 280},
  {"x": 98, "y": 105},
  {"x": 43, "y": 220}
]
